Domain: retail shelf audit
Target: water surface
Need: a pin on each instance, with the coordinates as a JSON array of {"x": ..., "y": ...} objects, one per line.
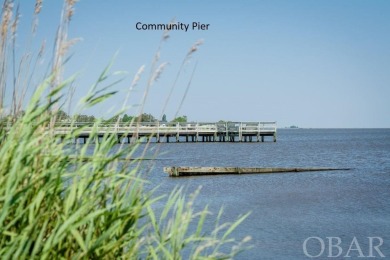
[{"x": 288, "y": 208}]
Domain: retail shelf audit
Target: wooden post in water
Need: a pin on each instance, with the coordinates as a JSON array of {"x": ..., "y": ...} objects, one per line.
[{"x": 196, "y": 171}]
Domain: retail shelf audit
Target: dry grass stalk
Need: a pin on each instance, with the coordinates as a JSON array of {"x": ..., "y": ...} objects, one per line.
[
  {"x": 23, "y": 70},
  {"x": 6, "y": 16},
  {"x": 62, "y": 44},
  {"x": 188, "y": 56},
  {"x": 154, "y": 73},
  {"x": 186, "y": 91}
]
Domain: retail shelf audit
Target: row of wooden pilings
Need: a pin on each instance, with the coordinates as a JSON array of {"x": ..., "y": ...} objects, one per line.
[{"x": 186, "y": 138}]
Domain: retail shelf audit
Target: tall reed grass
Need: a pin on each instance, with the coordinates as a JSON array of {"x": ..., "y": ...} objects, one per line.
[{"x": 55, "y": 204}]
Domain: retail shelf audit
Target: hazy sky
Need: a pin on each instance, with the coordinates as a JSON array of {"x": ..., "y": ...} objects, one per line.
[{"x": 306, "y": 63}]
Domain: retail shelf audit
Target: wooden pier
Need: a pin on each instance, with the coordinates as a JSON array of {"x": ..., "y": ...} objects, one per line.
[
  {"x": 196, "y": 171},
  {"x": 175, "y": 132}
]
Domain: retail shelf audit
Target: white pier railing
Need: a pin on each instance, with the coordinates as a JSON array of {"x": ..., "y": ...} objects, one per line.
[{"x": 220, "y": 131}]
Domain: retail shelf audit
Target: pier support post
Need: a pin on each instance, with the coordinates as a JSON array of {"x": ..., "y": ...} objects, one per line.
[{"x": 274, "y": 137}]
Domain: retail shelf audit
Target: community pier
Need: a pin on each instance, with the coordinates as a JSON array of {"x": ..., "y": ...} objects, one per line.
[{"x": 174, "y": 132}]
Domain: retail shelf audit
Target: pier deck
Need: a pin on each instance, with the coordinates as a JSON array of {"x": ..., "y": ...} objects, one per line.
[{"x": 175, "y": 132}]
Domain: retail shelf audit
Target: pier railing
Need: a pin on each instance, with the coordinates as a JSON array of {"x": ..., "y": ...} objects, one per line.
[
  {"x": 154, "y": 127},
  {"x": 209, "y": 131}
]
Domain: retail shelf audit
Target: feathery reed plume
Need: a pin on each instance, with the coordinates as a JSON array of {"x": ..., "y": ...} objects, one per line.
[
  {"x": 37, "y": 10},
  {"x": 6, "y": 17},
  {"x": 194, "y": 48},
  {"x": 158, "y": 72},
  {"x": 70, "y": 8},
  {"x": 38, "y": 6}
]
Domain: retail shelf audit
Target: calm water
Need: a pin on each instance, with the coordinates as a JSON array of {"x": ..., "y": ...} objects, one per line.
[{"x": 288, "y": 208}]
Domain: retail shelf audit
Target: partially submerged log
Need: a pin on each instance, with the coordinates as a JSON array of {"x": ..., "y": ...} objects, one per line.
[{"x": 194, "y": 171}]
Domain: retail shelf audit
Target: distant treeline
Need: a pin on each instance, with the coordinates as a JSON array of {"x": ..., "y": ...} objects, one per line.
[
  {"x": 145, "y": 117},
  {"x": 62, "y": 116}
]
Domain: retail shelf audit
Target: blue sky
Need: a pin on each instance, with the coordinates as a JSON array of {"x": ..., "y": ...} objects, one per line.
[{"x": 306, "y": 63}]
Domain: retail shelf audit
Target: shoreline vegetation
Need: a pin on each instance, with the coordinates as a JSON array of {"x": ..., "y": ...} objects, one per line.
[{"x": 55, "y": 204}]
